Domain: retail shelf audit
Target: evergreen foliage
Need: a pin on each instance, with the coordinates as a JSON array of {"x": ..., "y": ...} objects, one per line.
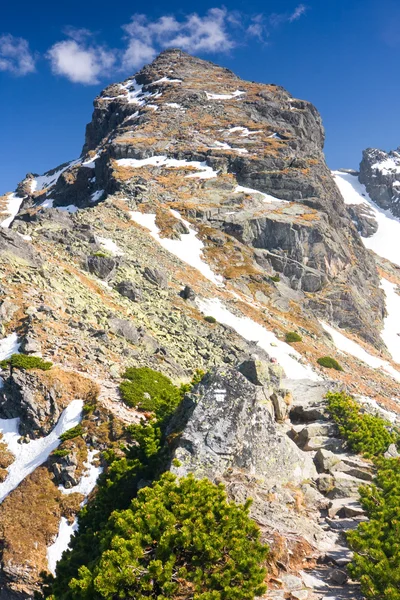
[
  {"x": 292, "y": 336},
  {"x": 149, "y": 390},
  {"x": 72, "y": 433},
  {"x": 376, "y": 542},
  {"x": 178, "y": 539},
  {"x": 367, "y": 434},
  {"x": 210, "y": 319},
  {"x": 329, "y": 363},
  {"x": 24, "y": 361}
]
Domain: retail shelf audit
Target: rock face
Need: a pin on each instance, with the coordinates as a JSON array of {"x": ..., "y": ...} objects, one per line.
[
  {"x": 254, "y": 135},
  {"x": 380, "y": 173},
  {"x": 231, "y": 428}
]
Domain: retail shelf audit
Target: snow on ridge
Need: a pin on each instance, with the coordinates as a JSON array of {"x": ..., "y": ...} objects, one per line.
[
  {"x": 206, "y": 172},
  {"x": 266, "y": 197},
  {"x": 388, "y": 165},
  {"x": 90, "y": 163},
  {"x": 88, "y": 479},
  {"x": 30, "y": 456},
  {"x": 230, "y": 96},
  {"x": 188, "y": 248},
  {"x": 285, "y": 355},
  {"x": 391, "y": 324},
  {"x": 348, "y": 346},
  {"x": 44, "y": 181},
  {"x": 385, "y": 241},
  {"x": 245, "y": 132},
  {"x": 48, "y": 203},
  {"x": 225, "y": 146},
  {"x": 13, "y": 205},
  {"x": 165, "y": 80}
]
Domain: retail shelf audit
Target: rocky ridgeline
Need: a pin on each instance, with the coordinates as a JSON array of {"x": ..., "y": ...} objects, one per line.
[
  {"x": 258, "y": 136},
  {"x": 187, "y": 150},
  {"x": 380, "y": 173}
]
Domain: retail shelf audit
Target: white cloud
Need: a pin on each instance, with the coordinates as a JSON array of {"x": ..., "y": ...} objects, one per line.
[
  {"x": 297, "y": 13},
  {"x": 79, "y": 62},
  {"x": 15, "y": 55},
  {"x": 194, "y": 33}
]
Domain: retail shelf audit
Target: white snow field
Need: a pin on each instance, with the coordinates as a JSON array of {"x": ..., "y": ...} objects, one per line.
[
  {"x": 286, "y": 356},
  {"x": 66, "y": 530},
  {"x": 9, "y": 346},
  {"x": 348, "y": 346},
  {"x": 189, "y": 248},
  {"x": 13, "y": 205},
  {"x": 385, "y": 242},
  {"x": 30, "y": 456},
  {"x": 205, "y": 172},
  {"x": 61, "y": 543},
  {"x": 391, "y": 324}
]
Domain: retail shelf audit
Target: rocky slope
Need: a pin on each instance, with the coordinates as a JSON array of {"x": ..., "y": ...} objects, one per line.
[{"x": 197, "y": 195}]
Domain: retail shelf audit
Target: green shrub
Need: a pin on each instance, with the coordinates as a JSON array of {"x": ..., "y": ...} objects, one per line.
[
  {"x": 149, "y": 390},
  {"x": 61, "y": 453},
  {"x": 329, "y": 363},
  {"x": 101, "y": 254},
  {"x": 24, "y": 361},
  {"x": 292, "y": 336},
  {"x": 376, "y": 561},
  {"x": 275, "y": 278},
  {"x": 88, "y": 409},
  {"x": 367, "y": 434},
  {"x": 72, "y": 433},
  {"x": 178, "y": 539},
  {"x": 210, "y": 319}
]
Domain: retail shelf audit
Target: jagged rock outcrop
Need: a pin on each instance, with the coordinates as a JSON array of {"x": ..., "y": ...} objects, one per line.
[
  {"x": 183, "y": 109},
  {"x": 380, "y": 173}
]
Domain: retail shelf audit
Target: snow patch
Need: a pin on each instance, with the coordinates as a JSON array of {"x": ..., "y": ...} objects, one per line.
[
  {"x": 286, "y": 356},
  {"x": 13, "y": 205},
  {"x": 90, "y": 163},
  {"x": 385, "y": 241},
  {"x": 391, "y": 324},
  {"x": 97, "y": 195},
  {"x": 61, "y": 543},
  {"x": 206, "y": 172},
  {"x": 188, "y": 248},
  {"x": 235, "y": 94},
  {"x": 33, "y": 454},
  {"x": 47, "y": 180},
  {"x": 226, "y": 146},
  {"x": 88, "y": 479},
  {"x": 245, "y": 132},
  {"x": 348, "y": 346},
  {"x": 389, "y": 165},
  {"x": 174, "y": 105},
  {"x": 109, "y": 245},
  {"x": 266, "y": 197}
]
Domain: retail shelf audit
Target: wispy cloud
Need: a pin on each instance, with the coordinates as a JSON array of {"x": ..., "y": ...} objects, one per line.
[
  {"x": 80, "y": 61},
  {"x": 15, "y": 55},
  {"x": 277, "y": 19}
]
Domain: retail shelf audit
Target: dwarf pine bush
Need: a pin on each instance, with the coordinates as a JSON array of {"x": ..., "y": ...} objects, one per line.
[{"x": 178, "y": 539}]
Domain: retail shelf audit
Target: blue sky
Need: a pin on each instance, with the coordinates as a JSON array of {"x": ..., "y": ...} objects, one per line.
[{"x": 342, "y": 55}]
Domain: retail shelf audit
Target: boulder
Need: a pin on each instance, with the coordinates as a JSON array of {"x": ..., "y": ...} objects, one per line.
[
  {"x": 156, "y": 276},
  {"x": 104, "y": 267},
  {"x": 125, "y": 329},
  {"x": 130, "y": 290},
  {"x": 187, "y": 293},
  {"x": 225, "y": 426}
]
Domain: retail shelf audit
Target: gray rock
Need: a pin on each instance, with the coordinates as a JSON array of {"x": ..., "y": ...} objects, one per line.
[
  {"x": 291, "y": 582},
  {"x": 7, "y": 310},
  {"x": 381, "y": 184},
  {"x": 391, "y": 452},
  {"x": 31, "y": 345},
  {"x": 130, "y": 290},
  {"x": 125, "y": 329},
  {"x": 156, "y": 276},
  {"x": 338, "y": 576},
  {"x": 228, "y": 428},
  {"x": 104, "y": 267},
  {"x": 187, "y": 293}
]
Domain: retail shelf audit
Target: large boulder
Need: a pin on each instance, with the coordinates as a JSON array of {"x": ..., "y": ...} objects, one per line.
[{"x": 226, "y": 426}]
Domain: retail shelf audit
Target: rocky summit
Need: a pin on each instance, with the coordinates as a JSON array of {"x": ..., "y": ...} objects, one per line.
[{"x": 200, "y": 236}]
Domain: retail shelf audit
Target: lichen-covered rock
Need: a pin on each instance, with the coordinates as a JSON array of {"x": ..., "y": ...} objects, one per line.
[
  {"x": 380, "y": 173},
  {"x": 229, "y": 428}
]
